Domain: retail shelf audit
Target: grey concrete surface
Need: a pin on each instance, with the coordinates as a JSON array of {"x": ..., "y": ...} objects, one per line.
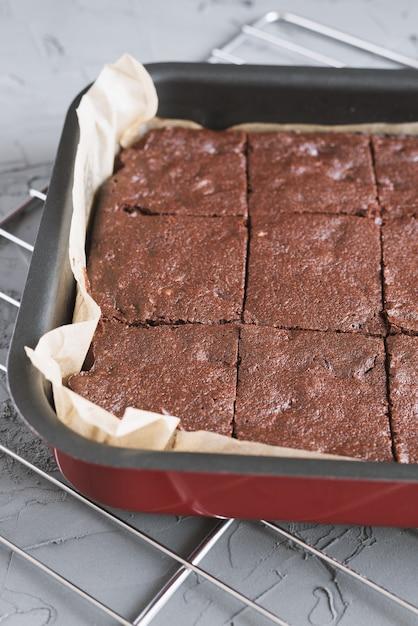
[{"x": 48, "y": 51}]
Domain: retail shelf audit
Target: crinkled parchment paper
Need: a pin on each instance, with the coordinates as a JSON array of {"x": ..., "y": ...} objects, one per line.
[{"x": 120, "y": 106}]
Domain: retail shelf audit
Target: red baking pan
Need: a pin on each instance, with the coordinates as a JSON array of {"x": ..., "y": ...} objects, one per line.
[{"x": 327, "y": 491}]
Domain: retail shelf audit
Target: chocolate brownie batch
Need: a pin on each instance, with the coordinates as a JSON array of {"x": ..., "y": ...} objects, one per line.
[{"x": 263, "y": 286}]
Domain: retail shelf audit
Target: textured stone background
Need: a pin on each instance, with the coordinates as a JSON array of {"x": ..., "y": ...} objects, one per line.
[{"x": 48, "y": 51}]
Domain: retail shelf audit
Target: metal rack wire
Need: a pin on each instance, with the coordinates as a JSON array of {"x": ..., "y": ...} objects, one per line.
[
  {"x": 258, "y": 32},
  {"x": 228, "y": 53}
]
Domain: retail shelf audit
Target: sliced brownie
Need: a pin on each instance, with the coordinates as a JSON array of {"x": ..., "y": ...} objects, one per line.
[
  {"x": 186, "y": 371},
  {"x": 403, "y": 352},
  {"x": 310, "y": 173},
  {"x": 400, "y": 257},
  {"x": 315, "y": 272},
  {"x": 146, "y": 269},
  {"x": 396, "y": 160},
  {"x": 183, "y": 172},
  {"x": 314, "y": 391}
]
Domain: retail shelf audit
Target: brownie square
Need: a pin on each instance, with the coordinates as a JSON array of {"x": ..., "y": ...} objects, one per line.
[
  {"x": 181, "y": 171},
  {"x": 145, "y": 269},
  {"x": 311, "y": 173},
  {"x": 403, "y": 352},
  {"x": 314, "y": 391},
  {"x": 396, "y": 162},
  {"x": 315, "y": 272},
  {"x": 186, "y": 371},
  {"x": 400, "y": 258}
]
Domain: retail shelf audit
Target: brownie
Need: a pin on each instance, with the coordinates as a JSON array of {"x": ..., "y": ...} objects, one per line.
[
  {"x": 284, "y": 342},
  {"x": 315, "y": 272},
  {"x": 311, "y": 173},
  {"x": 314, "y": 391},
  {"x": 400, "y": 257},
  {"x": 187, "y": 371},
  {"x": 396, "y": 162},
  {"x": 403, "y": 352},
  {"x": 181, "y": 171},
  {"x": 147, "y": 269}
]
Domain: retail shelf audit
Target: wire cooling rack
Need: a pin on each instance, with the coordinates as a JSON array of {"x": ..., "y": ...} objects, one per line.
[{"x": 237, "y": 51}]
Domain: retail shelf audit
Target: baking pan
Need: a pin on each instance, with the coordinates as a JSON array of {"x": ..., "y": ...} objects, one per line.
[{"x": 325, "y": 491}]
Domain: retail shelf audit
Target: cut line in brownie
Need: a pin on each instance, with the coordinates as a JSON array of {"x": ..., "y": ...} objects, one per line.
[
  {"x": 396, "y": 164},
  {"x": 403, "y": 353},
  {"x": 313, "y": 391},
  {"x": 315, "y": 272},
  {"x": 295, "y": 172},
  {"x": 400, "y": 257},
  {"x": 181, "y": 171},
  {"x": 150, "y": 269},
  {"x": 187, "y": 371}
]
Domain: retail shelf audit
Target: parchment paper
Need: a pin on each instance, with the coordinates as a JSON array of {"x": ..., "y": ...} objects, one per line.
[{"x": 117, "y": 109}]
